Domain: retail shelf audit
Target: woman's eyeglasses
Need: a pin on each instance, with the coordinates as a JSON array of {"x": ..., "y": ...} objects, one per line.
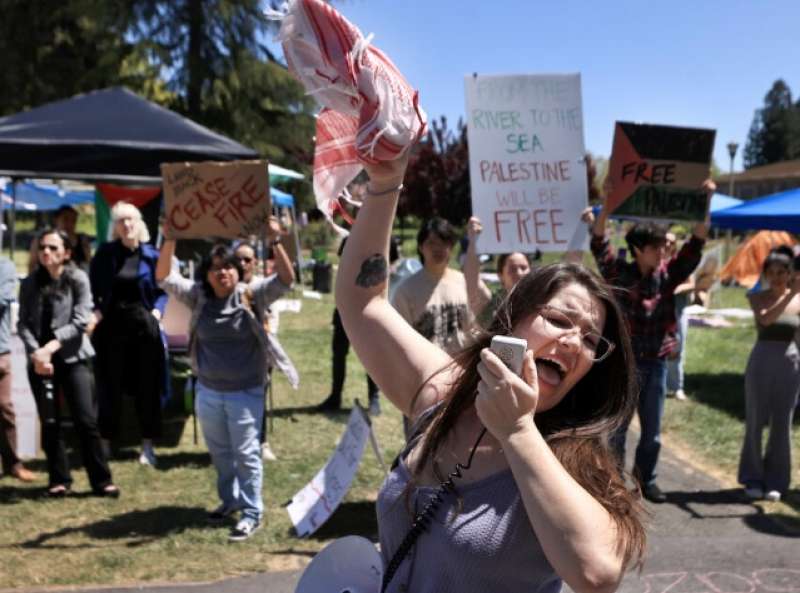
[
  {"x": 557, "y": 323},
  {"x": 48, "y": 247}
]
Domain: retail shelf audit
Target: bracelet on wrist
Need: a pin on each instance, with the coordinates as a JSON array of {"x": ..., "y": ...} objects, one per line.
[{"x": 391, "y": 190}]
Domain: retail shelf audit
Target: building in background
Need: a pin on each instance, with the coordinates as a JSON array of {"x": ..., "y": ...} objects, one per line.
[{"x": 762, "y": 181}]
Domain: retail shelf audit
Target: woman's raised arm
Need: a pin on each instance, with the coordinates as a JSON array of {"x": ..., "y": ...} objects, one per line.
[
  {"x": 164, "y": 264},
  {"x": 397, "y": 358},
  {"x": 478, "y": 294}
]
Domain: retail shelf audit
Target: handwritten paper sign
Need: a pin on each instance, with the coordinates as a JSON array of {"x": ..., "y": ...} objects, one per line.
[
  {"x": 657, "y": 172},
  {"x": 216, "y": 199},
  {"x": 315, "y": 503},
  {"x": 526, "y": 158}
]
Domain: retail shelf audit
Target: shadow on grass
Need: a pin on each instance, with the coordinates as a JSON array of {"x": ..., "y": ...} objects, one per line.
[
  {"x": 135, "y": 528},
  {"x": 723, "y": 391},
  {"x": 16, "y": 494},
  {"x": 293, "y": 552},
  {"x": 166, "y": 460},
  {"x": 752, "y": 515},
  {"x": 350, "y": 518},
  {"x": 340, "y": 415},
  {"x": 194, "y": 459}
]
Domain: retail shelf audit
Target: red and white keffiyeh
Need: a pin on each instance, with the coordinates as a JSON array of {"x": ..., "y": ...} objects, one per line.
[{"x": 371, "y": 114}]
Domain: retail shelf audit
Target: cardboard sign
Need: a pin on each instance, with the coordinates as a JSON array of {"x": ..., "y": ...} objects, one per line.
[
  {"x": 213, "y": 199},
  {"x": 657, "y": 172},
  {"x": 526, "y": 158},
  {"x": 318, "y": 499}
]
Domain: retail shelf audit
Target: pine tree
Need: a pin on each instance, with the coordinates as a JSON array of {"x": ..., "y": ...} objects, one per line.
[
  {"x": 775, "y": 132},
  {"x": 53, "y": 50},
  {"x": 212, "y": 55}
]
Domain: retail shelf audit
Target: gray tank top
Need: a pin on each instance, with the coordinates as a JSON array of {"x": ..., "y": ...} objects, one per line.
[
  {"x": 783, "y": 329},
  {"x": 487, "y": 544}
]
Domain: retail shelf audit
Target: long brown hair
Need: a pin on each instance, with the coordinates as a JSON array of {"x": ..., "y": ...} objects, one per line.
[{"x": 578, "y": 428}]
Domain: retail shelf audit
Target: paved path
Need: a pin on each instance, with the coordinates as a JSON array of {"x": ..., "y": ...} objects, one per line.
[
  {"x": 705, "y": 539},
  {"x": 709, "y": 539}
]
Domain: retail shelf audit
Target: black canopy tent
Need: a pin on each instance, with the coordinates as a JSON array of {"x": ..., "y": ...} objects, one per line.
[{"x": 110, "y": 135}]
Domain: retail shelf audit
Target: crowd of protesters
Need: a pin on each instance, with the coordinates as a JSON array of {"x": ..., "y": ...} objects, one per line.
[
  {"x": 91, "y": 329},
  {"x": 92, "y": 333}
]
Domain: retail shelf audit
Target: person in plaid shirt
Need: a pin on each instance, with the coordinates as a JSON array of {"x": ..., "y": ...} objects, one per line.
[{"x": 645, "y": 289}]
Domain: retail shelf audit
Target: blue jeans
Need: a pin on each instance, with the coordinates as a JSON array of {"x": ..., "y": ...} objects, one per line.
[
  {"x": 675, "y": 365},
  {"x": 653, "y": 389},
  {"x": 231, "y": 421}
]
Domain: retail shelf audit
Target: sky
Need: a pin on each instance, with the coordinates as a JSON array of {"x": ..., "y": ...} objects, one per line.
[{"x": 706, "y": 63}]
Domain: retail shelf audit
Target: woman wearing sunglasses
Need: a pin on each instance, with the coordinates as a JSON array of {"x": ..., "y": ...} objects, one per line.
[
  {"x": 55, "y": 304},
  {"x": 228, "y": 347},
  {"x": 507, "y": 482}
]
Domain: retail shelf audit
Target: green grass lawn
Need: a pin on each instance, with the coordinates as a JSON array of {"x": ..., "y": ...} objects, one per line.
[{"x": 157, "y": 532}]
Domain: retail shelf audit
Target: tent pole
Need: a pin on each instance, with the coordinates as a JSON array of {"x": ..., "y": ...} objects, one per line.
[
  {"x": 12, "y": 219},
  {"x": 2, "y": 219},
  {"x": 728, "y": 244},
  {"x": 297, "y": 246}
]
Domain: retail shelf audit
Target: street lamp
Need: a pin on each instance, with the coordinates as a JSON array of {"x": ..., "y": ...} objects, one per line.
[{"x": 732, "y": 147}]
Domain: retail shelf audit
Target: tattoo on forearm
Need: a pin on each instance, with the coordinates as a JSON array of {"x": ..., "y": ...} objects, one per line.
[{"x": 374, "y": 271}]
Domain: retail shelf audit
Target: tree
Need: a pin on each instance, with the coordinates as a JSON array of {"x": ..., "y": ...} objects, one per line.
[
  {"x": 195, "y": 42},
  {"x": 437, "y": 178},
  {"x": 212, "y": 55},
  {"x": 775, "y": 132},
  {"x": 53, "y": 50}
]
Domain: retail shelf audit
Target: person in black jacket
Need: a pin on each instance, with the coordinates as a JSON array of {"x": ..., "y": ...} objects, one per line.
[
  {"x": 128, "y": 306},
  {"x": 55, "y": 306}
]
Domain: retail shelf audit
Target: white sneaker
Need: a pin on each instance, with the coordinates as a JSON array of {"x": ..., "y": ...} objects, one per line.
[
  {"x": 773, "y": 496},
  {"x": 754, "y": 493},
  {"x": 680, "y": 395},
  {"x": 148, "y": 456},
  {"x": 266, "y": 453},
  {"x": 244, "y": 529}
]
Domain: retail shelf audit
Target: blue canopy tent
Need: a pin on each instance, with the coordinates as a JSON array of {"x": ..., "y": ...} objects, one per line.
[
  {"x": 777, "y": 212},
  {"x": 280, "y": 198},
  {"x": 32, "y": 196},
  {"x": 721, "y": 201},
  {"x": 718, "y": 202}
]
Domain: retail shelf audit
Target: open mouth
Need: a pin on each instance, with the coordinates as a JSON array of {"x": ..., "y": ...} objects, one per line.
[{"x": 550, "y": 370}]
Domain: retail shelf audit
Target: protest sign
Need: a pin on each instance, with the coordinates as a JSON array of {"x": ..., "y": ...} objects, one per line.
[
  {"x": 210, "y": 199},
  {"x": 27, "y": 419},
  {"x": 657, "y": 172},
  {"x": 526, "y": 157},
  {"x": 318, "y": 499}
]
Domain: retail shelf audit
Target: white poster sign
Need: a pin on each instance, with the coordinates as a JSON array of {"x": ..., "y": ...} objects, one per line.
[
  {"x": 24, "y": 403},
  {"x": 526, "y": 158},
  {"x": 318, "y": 499}
]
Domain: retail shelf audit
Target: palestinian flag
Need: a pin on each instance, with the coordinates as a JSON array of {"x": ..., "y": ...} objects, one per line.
[{"x": 657, "y": 172}]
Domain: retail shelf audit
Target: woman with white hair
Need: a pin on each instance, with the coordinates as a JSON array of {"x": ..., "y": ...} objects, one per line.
[{"x": 128, "y": 307}]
